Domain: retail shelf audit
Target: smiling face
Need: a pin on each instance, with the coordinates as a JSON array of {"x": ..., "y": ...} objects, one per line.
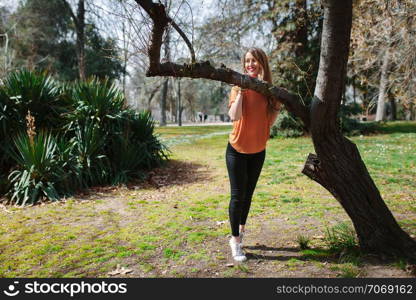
[{"x": 251, "y": 65}]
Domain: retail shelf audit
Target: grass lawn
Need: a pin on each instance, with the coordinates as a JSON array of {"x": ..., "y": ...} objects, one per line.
[{"x": 175, "y": 223}]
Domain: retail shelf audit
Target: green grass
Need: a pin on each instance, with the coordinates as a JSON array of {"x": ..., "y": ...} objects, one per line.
[
  {"x": 141, "y": 228},
  {"x": 175, "y": 131}
]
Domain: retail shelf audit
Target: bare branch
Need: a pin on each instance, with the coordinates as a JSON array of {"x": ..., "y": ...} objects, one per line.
[{"x": 185, "y": 38}]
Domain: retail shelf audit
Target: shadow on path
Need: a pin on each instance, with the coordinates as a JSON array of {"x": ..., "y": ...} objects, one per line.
[{"x": 288, "y": 253}]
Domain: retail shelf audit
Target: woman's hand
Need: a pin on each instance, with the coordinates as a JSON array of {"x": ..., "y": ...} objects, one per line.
[{"x": 236, "y": 109}]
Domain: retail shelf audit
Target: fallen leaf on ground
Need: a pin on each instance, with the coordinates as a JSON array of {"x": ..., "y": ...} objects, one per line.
[{"x": 121, "y": 271}]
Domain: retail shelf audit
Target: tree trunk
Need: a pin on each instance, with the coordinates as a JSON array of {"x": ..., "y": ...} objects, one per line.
[
  {"x": 164, "y": 95},
  {"x": 163, "y": 99},
  {"x": 393, "y": 107},
  {"x": 409, "y": 112},
  {"x": 125, "y": 56},
  {"x": 179, "y": 105},
  {"x": 80, "y": 30},
  {"x": 381, "y": 111},
  {"x": 337, "y": 166}
]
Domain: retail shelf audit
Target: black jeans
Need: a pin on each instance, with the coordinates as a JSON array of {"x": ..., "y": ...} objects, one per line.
[{"x": 243, "y": 172}]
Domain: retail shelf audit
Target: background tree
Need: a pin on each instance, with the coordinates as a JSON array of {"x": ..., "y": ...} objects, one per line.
[
  {"x": 6, "y": 53},
  {"x": 382, "y": 53},
  {"x": 42, "y": 37}
]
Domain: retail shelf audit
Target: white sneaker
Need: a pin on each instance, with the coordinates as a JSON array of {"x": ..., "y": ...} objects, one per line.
[{"x": 237, "y": 252}]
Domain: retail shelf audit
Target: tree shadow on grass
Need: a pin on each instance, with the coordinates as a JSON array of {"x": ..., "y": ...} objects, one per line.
[
  {"x": 396, "y": 127},
  {"x": 174, "y": 172},
  {"x": 316, "y": 254},
  {"x": 286, "y": 255}
]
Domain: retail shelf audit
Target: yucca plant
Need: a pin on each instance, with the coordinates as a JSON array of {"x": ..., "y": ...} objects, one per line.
[
  {"x": 71, "y": 181},
  {"x": 132, "y": 146},
  {"x": 91, "y": 137},
  {"x": 142, "y": 125},
  {"x": 37, "y": 92},
  {"x": 95, "y": 99},
  {"x": 92, "y": 162},
  {"x": 125, "y": 152},
  {"x": 38, "y": 172}
]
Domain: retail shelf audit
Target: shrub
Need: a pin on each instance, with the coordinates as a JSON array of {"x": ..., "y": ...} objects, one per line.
[
  {"x": 41, "y": 94},
  {"x": 351, "y": 126},
  {"x": 38, "y": 169},
  {"x": 132, "y": 146},
  {"x": 286, "y": 125},
  {"x": 24, "y": 91},
  {"x": 87, "y": 137}
]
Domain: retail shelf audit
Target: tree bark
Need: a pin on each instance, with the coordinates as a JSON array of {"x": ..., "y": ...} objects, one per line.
[
  {"x": 337, "y": 165},
  {"x": 163, "y": 98},
  {"x": 381, "y": 111},
  {"x": 80, "y": 30},
  {"x": 164, "y": 94},
  {"x": 393, "y": 107},
  {"x": 79, "y": 23},
  {"x": 179, "y": 104}
]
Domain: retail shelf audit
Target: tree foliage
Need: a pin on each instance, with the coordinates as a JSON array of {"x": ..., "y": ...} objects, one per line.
[
  {"x": 42, "y": 36},
  {"x": 382, "y": 27}
]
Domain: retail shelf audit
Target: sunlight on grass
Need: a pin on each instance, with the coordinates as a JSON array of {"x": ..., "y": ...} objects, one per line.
[{"x": 154, "y": 228}]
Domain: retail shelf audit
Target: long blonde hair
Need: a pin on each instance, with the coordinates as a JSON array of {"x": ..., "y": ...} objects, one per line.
[{"x": 265, "y": 73}]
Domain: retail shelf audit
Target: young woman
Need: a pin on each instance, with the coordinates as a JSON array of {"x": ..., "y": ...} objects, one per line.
[{"x": 253, "y": 114}]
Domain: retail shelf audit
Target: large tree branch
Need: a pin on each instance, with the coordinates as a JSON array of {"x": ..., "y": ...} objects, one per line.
[{"x": 205, "y": 70}]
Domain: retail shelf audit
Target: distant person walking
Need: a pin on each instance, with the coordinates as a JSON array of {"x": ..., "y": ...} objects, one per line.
[
  {"x": 200, "y": 114},
  {"x": 253, "y": 114}
]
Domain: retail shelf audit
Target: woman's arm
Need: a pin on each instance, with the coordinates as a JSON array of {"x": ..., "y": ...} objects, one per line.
[{"x": 236, "y": 109}]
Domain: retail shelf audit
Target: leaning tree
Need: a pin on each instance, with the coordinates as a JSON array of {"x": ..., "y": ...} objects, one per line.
[{"x": 337, "y": 164}]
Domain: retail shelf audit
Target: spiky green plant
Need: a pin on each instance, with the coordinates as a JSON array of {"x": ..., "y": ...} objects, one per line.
[
  {"x": 96, "y": 100},
  {"x": 341, "y": 237},
  {"x": 37, "y": 92},
  {"x": 38, "y": 169},
  {"x": 132, "y": 146},
  {"x": 94, "y": 138},
  {"x": 92, "y": 162},
  {"x": 303, "y": 242}
]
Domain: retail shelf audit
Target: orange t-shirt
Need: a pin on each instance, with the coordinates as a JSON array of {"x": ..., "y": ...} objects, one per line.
[{"x": 251, "y": 132}]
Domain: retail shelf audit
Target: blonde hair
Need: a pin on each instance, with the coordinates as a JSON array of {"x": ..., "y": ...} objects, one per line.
[{"x": 265, "y": 73}]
